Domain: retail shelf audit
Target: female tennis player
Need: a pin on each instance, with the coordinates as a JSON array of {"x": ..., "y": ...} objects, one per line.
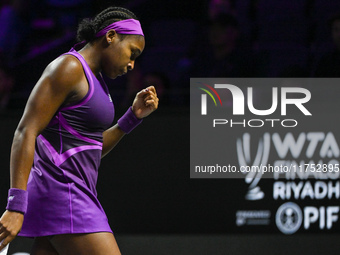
[{"x": 62, "y": 136}]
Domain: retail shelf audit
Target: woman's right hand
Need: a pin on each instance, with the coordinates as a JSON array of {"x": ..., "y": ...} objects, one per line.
[{"x": 10, "y": 226}]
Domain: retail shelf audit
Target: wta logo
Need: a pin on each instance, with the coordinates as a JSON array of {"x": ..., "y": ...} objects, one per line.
[{"x": 261, "y": 159}]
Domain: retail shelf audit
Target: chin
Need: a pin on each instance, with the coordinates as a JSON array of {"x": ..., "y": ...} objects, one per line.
[{"x": 111, "y": 76}]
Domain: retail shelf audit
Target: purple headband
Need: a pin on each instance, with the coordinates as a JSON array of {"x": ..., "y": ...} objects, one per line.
[{"x": 126, "y": 26}]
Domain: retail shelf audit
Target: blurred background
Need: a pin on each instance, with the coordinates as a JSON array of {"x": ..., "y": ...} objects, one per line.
[{"x": 144, "y": 185}]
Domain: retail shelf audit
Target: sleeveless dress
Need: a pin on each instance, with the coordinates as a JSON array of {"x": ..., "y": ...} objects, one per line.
[{"x": 62, "y": 196}]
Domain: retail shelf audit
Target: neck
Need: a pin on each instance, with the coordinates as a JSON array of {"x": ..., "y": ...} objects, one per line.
[{"x": 91, "y": 54}]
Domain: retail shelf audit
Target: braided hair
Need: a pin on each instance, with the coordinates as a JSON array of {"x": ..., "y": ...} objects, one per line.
[{"x": 88, "y": 28}]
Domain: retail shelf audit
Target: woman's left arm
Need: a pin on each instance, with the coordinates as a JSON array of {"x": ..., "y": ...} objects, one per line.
[{"x": 145, "y": 102}]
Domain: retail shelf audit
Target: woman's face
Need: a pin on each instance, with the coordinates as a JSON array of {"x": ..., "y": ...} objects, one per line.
[{"x": 119, "y": 57}]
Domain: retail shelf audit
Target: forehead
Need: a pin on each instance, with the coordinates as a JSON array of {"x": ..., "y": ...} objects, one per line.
[{"x": 136, "y": 42}]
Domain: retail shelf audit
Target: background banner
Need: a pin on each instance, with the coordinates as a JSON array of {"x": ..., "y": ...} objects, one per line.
[{"x": 280, "y": 138}]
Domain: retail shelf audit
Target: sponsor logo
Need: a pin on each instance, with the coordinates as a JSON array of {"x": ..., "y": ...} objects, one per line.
[
  {"x": 288, "y": 218},
  {"x": 253, "y": 217}
]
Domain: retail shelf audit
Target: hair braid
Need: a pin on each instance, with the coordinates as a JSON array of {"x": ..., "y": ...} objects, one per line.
[{"x": 88, "y": 28}]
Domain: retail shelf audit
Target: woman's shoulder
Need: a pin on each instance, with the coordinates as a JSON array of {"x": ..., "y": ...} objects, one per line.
[
  {"x": 65, "y": 68},
  {"x": 64, "y": 75},
  {"x": 65, "y": 63}
]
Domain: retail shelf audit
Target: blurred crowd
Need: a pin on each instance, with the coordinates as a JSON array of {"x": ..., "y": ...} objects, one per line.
[{"x": 203, "y": 38}]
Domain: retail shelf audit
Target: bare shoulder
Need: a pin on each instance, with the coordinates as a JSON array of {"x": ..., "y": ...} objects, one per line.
[{"x": 65, "y": 70}]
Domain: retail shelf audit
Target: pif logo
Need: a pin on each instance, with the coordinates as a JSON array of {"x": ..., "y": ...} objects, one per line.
[{"x": 239, "y": 99}]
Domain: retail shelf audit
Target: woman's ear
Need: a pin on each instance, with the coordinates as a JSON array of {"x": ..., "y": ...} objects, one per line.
[{"x": 111, "y": 35}]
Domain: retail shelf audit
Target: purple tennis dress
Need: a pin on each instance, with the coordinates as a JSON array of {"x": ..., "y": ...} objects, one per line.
[{"x": 62, "y": 197}]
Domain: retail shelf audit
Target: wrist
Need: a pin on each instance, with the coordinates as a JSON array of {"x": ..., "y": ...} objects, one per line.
[
  {"x": 17, "y": 200},
  {"x": 129, "y": 121},
  {"x": 133, "y": 111}
]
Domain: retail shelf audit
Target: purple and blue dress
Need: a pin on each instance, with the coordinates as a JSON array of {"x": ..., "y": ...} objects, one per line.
[{"x": 62, "y": 196}]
